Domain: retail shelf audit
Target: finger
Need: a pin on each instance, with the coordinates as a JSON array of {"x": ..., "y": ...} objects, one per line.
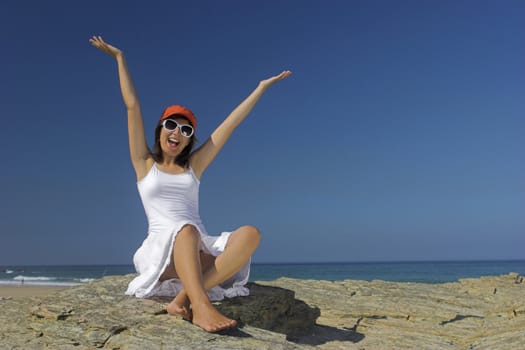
[
  {"x": 95, "y": 41},
  {"x": 284, "y": 74}
]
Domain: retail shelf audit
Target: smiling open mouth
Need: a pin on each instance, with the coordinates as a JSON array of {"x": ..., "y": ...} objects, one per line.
[{"x": 173, "y": 142}]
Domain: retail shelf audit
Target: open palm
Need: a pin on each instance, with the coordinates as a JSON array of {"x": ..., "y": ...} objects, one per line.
[
  {"x": 100, "y": 44},
  {"x": 270, "y": 81}
]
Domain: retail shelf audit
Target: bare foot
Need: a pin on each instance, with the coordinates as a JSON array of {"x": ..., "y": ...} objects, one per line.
[
  {"x": 180, "y": 306},
  {"x": 208, "y": 318}
]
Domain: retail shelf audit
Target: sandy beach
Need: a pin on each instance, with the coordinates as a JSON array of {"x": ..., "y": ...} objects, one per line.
[{"x": 19, "y": 292}]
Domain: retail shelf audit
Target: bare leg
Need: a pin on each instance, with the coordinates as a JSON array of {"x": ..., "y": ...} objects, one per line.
[
  {"x": 241, "y": 245},
  {"x": 187, "y": 264},
  {"x": 180, "y": 305}
]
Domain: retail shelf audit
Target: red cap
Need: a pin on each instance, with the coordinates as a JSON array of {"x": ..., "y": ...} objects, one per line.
[{"x": 180, "y": 110}]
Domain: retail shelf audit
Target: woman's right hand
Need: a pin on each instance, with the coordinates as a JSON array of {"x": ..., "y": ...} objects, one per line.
[{"x": 100, "y": 44}]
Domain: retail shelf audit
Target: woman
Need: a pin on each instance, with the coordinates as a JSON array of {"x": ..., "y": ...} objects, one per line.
[{"x": 177, "y": 248}]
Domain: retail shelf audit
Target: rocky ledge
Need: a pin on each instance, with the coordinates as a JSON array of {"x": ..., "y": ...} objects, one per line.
[{"x": 483, "y": 313}]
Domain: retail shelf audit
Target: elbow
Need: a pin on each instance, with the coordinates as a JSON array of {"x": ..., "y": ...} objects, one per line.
[{"x": 132, "y": 105}]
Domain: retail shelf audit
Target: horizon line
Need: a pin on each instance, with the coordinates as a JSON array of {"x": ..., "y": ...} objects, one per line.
[{"x": 307, "y": 262}]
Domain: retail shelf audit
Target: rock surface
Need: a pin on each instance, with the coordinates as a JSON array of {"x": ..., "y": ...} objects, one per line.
[{"x": 484, "y": 313}]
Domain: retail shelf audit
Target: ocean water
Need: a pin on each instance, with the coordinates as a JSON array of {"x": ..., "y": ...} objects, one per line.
[{"x": 425, "y": 272}]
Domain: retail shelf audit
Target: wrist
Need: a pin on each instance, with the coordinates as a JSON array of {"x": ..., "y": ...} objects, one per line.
[{"x": 263, "y": 85}]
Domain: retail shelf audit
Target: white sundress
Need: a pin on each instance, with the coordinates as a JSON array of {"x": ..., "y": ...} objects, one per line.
[{"x": 171, "y": 201}]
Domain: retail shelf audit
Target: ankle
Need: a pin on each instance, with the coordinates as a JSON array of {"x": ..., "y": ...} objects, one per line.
[
  {"x": 202, "y": 305},
  {"x": 181, "y": 296}
]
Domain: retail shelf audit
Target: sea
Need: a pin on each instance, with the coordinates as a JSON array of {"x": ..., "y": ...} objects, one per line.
[{"x": 413, "y": 271}]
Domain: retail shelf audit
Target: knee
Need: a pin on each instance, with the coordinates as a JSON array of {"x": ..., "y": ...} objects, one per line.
[
  {"x": 189, "y": 231},
  {"x": 252, "y": 234}
]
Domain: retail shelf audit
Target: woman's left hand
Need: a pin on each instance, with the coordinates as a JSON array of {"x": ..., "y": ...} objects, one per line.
[
  {"x": 103, "y": 46},
  {"x": 270, "y": 81}
]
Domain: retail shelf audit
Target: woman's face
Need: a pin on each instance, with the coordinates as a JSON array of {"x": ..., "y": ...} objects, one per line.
[{"x": 172, "y": 142}]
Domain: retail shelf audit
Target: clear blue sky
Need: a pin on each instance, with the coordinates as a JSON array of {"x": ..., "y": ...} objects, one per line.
[{"x": 399, "y": 136}]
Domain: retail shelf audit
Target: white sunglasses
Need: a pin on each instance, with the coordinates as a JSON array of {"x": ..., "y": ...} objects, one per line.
[{"x": 185, "y": 129}]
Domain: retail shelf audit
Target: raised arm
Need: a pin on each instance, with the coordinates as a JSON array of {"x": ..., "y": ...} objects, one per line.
[
  {"x": 203, "y": 156},
  {"x": 138, "y": 147}
]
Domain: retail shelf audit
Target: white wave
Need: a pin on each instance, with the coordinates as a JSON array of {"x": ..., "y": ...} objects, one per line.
[
  {"x": 38, "y": 278},
  {"x": 9, "y": 271},
  {"x": 86, "y": 280}
]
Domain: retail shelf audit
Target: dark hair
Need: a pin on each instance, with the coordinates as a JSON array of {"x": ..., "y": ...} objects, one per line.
[{"x": 183, "y": 158}]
